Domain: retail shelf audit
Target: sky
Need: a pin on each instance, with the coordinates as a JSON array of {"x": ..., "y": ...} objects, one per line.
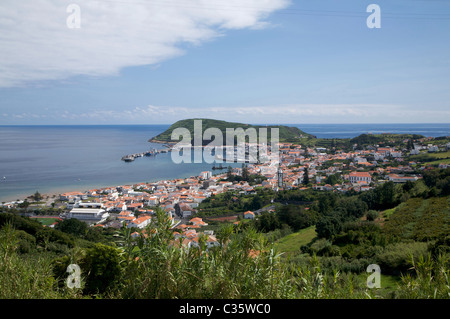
[{"x": 251, "y": 61}]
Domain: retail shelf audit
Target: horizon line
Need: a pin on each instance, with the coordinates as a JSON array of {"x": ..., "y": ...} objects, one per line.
[{"x": 285, "y": 124}]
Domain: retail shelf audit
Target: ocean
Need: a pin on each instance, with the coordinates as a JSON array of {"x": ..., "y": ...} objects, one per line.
[{"x": 57, "y": 159}]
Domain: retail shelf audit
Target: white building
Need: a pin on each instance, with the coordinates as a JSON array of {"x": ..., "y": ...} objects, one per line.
[
  {"x": 206, "y": 175},
  {"x": 152, "y": 201},
  {"x": 249, "y": 215},
  {"x": 88, "y": 214},
  {"x": 433, "y": 149},
  {"x": 212, "y": 241},
  {"x": 140, "y": 222},
  {"x": 396, "y": 154},
  {"x": 356, "y": 177}
]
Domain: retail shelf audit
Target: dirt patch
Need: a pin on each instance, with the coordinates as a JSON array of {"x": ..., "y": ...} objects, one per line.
[{"x": 224, "y": 219}]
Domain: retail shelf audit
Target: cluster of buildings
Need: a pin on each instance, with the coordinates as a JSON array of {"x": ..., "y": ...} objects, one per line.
[
  {"x": 357, "y": 170},
  {"x": 133, "y": 204}
]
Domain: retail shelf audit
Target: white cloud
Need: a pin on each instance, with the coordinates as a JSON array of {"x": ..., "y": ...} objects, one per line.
[
  {"x": 273, "y": 114},
  {"x": 36, "y": 43}
]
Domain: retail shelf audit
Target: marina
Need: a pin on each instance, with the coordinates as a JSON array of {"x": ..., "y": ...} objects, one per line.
[{"x": 152, "y": 152}]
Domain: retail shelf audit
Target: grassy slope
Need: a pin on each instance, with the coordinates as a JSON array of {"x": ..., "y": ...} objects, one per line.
[
  {"x": 292, "y": 243},
  {"x": 420, "y": 219}
]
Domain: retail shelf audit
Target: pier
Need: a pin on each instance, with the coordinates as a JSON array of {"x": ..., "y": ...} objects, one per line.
[{"x": 152, "y": 152}]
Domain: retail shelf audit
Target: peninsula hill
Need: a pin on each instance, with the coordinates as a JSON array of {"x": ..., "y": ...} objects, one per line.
[{"x": 286, "y": 133}]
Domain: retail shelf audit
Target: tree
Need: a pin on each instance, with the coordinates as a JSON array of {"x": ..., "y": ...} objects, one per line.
[
  {"x": 256, "y": 203},
  {"x": 333, "y": 146},
  {"x": 408, "y": 186},
  {"x": 372, "y": 215},
  {"x": 384, "y": 196},
  {"x": 24, "y": 204},
  {"x": 267, "y": 222},
  {"x": 295, "y": 217},
  {"x": 410, "y": 145},
  {"x": 352, "y": 207},
  {"x": 245, "y": 173},
  {"x": 37, "y": 196},
  {"x": 327, "y": 202},
  {"x": 72, "y": 226},
  {"x": 103, "y": 268},
  {"x": 332, "y": 179},
  {"x": 229, "y": 173},
  {"x": 328, "y": 226},
  {"x": 306, "y": 177},
  {"x": 387, "y": 195}
]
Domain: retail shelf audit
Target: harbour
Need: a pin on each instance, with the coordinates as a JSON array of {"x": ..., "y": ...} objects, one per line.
[{"x": 152, "y": 152}]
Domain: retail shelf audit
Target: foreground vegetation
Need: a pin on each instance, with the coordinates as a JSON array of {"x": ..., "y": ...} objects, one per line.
[{"x": 246, "y": 267}]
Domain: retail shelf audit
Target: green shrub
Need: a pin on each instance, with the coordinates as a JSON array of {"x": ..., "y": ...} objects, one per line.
[
  {"x": 26, "y": 242},
  {"x": 398, "y": 257},
  {"x": 21, "y": 223},
  {"x": 21, "y": 276},
  {"x": 100, "y": 266},
  {"x": 47, "y": 235},
  {"x": 72, "y": 226},
  {"x": 103, "y": 267},
  {"x": 372, "y": 215}
]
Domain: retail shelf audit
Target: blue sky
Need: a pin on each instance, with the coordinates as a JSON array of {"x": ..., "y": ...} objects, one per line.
[{"x": 272, "y": 61}]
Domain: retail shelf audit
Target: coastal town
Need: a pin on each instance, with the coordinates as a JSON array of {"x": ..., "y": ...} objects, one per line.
[{"x": 299, "y": 167}]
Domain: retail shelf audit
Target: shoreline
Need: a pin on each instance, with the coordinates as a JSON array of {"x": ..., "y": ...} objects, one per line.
[{"x": 58, "y": 191}]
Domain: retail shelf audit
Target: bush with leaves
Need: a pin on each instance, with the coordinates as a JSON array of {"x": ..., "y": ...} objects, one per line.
[
  {"x": 101, "y": 268},
  {"x": 398, "y": 257},
  {"x": 24, "y": 276}
]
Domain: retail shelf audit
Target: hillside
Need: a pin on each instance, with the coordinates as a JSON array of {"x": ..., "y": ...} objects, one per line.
[
  {"x": 420, "y": 219},
  {"x": 286, "y": 133}
]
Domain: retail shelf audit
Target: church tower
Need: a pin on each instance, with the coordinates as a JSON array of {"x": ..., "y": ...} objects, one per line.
[{"x": 280, "y": 178}]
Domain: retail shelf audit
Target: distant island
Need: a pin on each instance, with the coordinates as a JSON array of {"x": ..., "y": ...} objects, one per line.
[
  {"x": 290, "y": 134},
  {"x": 286, "y": 133}
]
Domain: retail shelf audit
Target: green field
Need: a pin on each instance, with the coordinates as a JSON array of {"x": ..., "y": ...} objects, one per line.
[
  {"x": 47, "y": 221},
  {"x": 292, "y": 243}
]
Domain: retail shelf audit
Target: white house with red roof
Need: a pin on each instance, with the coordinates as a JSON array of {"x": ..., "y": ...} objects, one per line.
[
  {"x": 357, "y": 177},
  {"x": 249, "y": 215},
  {"x": 140, "y": 222}
]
